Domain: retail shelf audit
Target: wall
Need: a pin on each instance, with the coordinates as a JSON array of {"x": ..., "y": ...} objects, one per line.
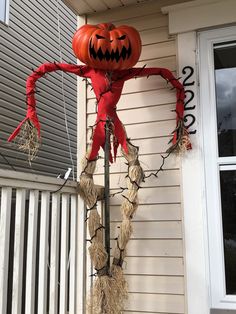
[
  {"x": 154, "y": 266},
  {"x": 30, "y": 40}
]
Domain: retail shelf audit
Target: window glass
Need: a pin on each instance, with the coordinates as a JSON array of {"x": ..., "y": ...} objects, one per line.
[
  {"x": 225, "y": 88},
  {"x": 3, "y": 10},
  {"x": 228, "y": 205},
  {"x": 225, "y": 78}
]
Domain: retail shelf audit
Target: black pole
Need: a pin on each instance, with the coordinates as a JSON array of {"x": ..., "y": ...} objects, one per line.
[{"x": 107, "y": 191}]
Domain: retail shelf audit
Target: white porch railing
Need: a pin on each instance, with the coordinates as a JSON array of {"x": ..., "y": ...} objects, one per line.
[{"x": 38, "y": 244}]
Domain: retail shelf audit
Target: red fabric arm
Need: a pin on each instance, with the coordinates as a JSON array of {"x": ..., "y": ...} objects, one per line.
[
  {"x": 168, "y": 76},
  {"x": 31, "y": 114},
  {"x": 180, "y": 132}
]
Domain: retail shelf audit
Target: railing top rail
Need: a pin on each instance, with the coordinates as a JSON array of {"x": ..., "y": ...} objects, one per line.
[{"x": 17, "y": 179}]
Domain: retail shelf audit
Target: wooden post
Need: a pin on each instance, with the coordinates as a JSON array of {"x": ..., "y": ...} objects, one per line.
[{"x": 107, "y": 191}]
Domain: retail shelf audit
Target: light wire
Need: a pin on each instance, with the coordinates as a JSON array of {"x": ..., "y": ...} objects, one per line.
[{"x": 63, "y": 93}]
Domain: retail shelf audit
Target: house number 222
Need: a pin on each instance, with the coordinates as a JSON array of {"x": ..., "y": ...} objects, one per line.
[{"x": 188, "y": 82}]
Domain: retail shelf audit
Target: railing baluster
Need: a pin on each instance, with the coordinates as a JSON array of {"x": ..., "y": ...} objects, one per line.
[
  {"x": 73, "y": 256},
  {"x": 43, "y": 253},
  {"x": 54, "y": 259},
  {"x": 28, "y": 273},
  {"x": 31, "y": 252},
  {"x": 18, "y": 251},
  {"x": 5, "y": 220},
  {"x": 82, "y": 282},
  {"x": 64, "y": 253}
]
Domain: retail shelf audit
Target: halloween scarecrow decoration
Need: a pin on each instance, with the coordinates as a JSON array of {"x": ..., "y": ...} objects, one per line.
[{"x": 109, "y": 54}]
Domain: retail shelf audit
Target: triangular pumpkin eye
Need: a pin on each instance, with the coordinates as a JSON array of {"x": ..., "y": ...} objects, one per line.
[
  {"x": 99, "y": 37},
  {"x": 122, "y": 37}
]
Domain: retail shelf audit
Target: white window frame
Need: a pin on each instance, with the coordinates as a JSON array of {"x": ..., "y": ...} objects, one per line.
[
  {"x": 213, "y": 164},
  {"x": 7, "y": 6}
]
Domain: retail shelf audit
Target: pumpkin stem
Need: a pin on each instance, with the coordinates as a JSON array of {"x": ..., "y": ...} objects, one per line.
[{"x": 106, "y": 26}]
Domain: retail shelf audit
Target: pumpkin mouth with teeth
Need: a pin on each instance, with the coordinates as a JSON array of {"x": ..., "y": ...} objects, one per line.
[
  {"x": 107, "y": 47},
  {"x": 125, "y": 53}
]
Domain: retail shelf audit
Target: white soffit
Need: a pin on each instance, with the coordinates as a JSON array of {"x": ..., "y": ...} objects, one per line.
[
  {"x": 199, "y": 14},
  {"x": 82, "y": 7}
]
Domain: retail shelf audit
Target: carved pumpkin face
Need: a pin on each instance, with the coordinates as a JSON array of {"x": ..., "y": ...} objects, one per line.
[{"x": 107, "y": 47}]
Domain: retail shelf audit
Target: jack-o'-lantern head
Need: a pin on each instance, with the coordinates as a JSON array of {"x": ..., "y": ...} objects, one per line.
[{"x": 107, "y": 47}]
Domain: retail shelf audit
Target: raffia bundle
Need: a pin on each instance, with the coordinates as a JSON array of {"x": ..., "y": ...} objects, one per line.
[
  {"x": 28, "y": 140},
  {"x": 109, "y": 291},
  {"x": 130, "y": 203}
]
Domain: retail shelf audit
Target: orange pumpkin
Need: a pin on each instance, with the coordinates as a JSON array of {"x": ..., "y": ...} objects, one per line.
[{"x": 107, "y": 47}]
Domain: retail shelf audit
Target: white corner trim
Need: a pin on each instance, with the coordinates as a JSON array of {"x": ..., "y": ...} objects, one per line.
[
  {"x": 81, "y": 110},
  {"x": 199, "y": 14},
  {"x": 193, "y": 198},
  {"x": 81, "y": 274}
]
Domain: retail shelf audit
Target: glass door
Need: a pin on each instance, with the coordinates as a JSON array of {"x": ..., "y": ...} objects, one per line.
[
  {"x": 225, "y": 89},
  {"x": 218, "y": 101}
]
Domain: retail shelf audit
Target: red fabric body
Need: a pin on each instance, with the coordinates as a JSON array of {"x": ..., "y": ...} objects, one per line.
[{"x": 108, "y": 91}]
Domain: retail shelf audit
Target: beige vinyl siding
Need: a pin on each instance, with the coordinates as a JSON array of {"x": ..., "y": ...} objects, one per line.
[
  {"x": 154, "y": 266},
  {"x": 30, "y": 40}
]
